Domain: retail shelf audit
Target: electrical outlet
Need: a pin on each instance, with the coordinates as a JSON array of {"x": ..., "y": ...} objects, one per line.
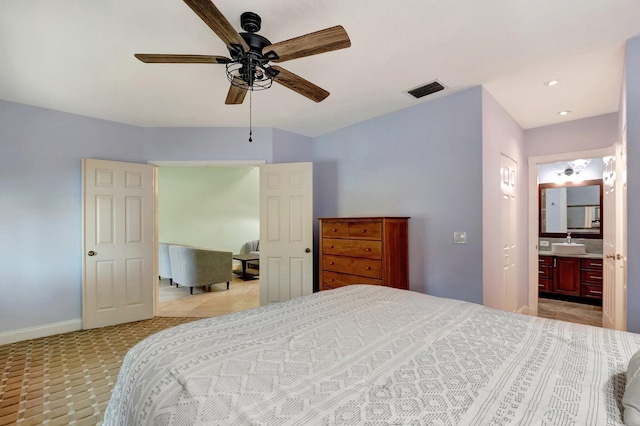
[
  {"x": 544, "y": 243},
  {"x": 460, "y": 238}
]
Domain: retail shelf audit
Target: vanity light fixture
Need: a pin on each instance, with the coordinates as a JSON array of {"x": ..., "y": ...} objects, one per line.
[
  {"x": 579, "y": 164},
  {"x": 565, "y": 112},
  {"x": 551, "y": 83},
  {"x": 569, "y": 175}
]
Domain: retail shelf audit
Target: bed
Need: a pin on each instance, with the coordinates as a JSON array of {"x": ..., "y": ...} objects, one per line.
[{"x": 371, "y": 355}]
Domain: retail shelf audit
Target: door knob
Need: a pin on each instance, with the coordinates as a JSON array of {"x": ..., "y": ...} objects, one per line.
[
  {"x": 307, "y": 250},
  {"x": 92, "y": 253}
]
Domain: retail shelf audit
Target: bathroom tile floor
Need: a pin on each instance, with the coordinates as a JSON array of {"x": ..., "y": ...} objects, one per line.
[{"x": 570, "y": 311}]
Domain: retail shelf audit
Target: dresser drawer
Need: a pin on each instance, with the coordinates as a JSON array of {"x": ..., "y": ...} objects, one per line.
[
  {"x": 335, "y": 279},
  {"x": 353, "y": 248},
  {"x": 592, "y": 291},
  {"x": 335, "y": 230},
  {"x": 365, "y": 230},
  {"x": 353, "y": 265},
  {"x": 591, "y": 277},
  {"x": 592, "y": 264}
]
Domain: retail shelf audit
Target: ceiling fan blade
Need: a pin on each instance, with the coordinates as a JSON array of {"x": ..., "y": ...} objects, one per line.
[
  {"x": 181, "y": 59},
  {"x": 211, "y": 16},
  {"x": 299, "y": 84},
  {"x": 326, "y": 40},
  {"x": 235, "y": 96}
]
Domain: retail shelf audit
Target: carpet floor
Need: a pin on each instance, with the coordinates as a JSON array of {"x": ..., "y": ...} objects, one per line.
[{"x": 66, "y": 379}]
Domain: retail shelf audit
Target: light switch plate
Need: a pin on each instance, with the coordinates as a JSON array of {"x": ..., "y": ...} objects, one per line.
[{"x": 460, "y": 238}]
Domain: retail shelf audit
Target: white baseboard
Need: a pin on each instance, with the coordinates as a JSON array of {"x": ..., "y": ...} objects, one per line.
[{"x": 8, "y": 337}]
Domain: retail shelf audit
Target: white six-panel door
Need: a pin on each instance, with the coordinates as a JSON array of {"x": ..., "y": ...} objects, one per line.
[
  {"x": 508, "y": 221},
  {"x": 614, "y": 297},
  {"x": 119, "y": 278},
  {"x": 286, "y": 231}
]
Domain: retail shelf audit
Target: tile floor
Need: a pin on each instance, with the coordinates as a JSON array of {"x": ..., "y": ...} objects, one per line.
[
  {"x": 178, "y": 302},
  {"x": 570, "y": 311}
]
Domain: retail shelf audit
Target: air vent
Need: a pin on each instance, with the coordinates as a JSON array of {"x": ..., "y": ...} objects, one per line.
[{"x": 426, "y": 89}]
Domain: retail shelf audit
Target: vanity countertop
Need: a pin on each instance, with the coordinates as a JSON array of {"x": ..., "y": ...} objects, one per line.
[{"x": 581, "y": 256}]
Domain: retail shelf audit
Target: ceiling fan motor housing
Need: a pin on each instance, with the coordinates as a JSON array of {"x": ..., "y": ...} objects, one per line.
[{"x": 250, "y": 22}]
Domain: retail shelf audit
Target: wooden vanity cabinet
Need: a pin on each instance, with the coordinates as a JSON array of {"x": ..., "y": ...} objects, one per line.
[
  {"x": 591, "y": 278},
  {"x": 369, "y": 250},
  {"x": 570, "y": 276},
  {"x": 545, "y": 274},
  {"x": 566, "y": 276}
]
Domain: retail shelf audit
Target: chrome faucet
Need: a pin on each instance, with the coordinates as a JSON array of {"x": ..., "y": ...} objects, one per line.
[{"x": 569, "y": 237}]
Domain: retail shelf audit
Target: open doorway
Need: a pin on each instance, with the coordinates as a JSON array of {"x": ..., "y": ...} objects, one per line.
[
  {"x": 213, "y": 206},
  {"x": 547, "y": 242}
]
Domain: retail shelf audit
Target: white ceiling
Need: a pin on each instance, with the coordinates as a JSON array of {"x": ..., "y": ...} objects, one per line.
[{"x": 77, "y": 56}]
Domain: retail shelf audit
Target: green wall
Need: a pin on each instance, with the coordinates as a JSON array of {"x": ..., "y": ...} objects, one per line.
[{"x": 209, "y": 207}]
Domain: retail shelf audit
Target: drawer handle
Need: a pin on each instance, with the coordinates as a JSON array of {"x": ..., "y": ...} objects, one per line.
[
  {"x": 541, "y": 272},
  {"x": 595, "y": 277},
  {"x": 330, "y": 263},
  {"x": 330, "y": 280},
  {"x": 364, "y": 231},
  {"x": 595, "y": 292},
  {"x": 367, "y": 249},
  {"x": 596, "y": 264},
  {"x": 335, "y": 229},
  {"x": 368, "y": 268},
  {"x": 331, "y": 246},
  {"x": 540, "y": 285}
]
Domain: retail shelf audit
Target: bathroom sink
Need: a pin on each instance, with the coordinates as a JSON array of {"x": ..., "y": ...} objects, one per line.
[{"x": 568, "y": 248}]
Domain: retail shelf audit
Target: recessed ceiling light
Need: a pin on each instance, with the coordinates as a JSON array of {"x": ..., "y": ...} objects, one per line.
[
  {"x": 551, "y": 82},
  {"x": 565, "y": 112}
]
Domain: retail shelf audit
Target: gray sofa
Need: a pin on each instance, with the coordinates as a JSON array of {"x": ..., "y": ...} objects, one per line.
[
  {"x": 252, "y": 247},
  {"x": 193, "y": 267},
  {"x": 164, "y": 262}
]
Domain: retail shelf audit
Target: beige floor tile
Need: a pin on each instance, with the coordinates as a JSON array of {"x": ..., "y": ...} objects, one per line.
[{"x": 570, "y": 311}]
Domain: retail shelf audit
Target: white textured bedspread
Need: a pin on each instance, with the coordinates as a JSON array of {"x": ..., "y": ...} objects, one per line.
[{"x": 368, "y": 355}]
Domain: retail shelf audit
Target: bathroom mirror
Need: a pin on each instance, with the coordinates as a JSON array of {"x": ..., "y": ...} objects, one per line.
[{"x": 571, "y": 207}]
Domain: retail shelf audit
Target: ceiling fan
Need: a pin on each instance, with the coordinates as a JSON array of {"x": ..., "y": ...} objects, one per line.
[{"x": 249, "y": 67}]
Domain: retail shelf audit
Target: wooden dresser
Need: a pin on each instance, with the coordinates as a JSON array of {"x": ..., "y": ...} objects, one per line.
[{"x": 364, "y": 250}]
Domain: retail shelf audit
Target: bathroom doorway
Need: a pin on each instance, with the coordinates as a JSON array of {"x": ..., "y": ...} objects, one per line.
[{"x": 536, "y": 164}]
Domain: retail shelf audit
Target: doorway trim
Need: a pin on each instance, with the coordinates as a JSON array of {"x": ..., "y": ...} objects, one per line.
[
  {"x": 208, "y": 163},
  {"x": 533, "y": 210},
  {"x": 188, "y": 163}
]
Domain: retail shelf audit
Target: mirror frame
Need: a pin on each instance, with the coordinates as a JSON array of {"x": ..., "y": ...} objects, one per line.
[{"x": 542, "y": 186}]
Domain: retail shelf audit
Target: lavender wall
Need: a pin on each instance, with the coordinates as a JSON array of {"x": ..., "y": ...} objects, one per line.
[
  {"x": 195, "y": 143},
  {"x": 577, "y": 135},
  {"x": 502, "y": 135},
  {"x": 424, "y": 162},
  {"x": 632, "y": 92},
  {"x": 40, "y": 208},
  {"x": 291, "y": 147}
]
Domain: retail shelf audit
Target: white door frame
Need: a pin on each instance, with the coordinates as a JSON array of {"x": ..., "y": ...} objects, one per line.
[
  {"x": 533, "y": 211},
  {"x": 187, "y": 163}
]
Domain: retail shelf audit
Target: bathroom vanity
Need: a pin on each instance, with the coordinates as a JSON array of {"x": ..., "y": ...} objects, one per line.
[
  {"x": 571, "y": 212},
  {"x": 576, "y": 275}
]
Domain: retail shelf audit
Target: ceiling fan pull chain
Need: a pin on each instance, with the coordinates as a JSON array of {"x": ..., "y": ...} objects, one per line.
[{"x": 250, "y": 118}]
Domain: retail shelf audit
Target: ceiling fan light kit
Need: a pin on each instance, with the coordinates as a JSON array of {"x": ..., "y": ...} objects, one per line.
[{"x": 249, "y": 67}]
